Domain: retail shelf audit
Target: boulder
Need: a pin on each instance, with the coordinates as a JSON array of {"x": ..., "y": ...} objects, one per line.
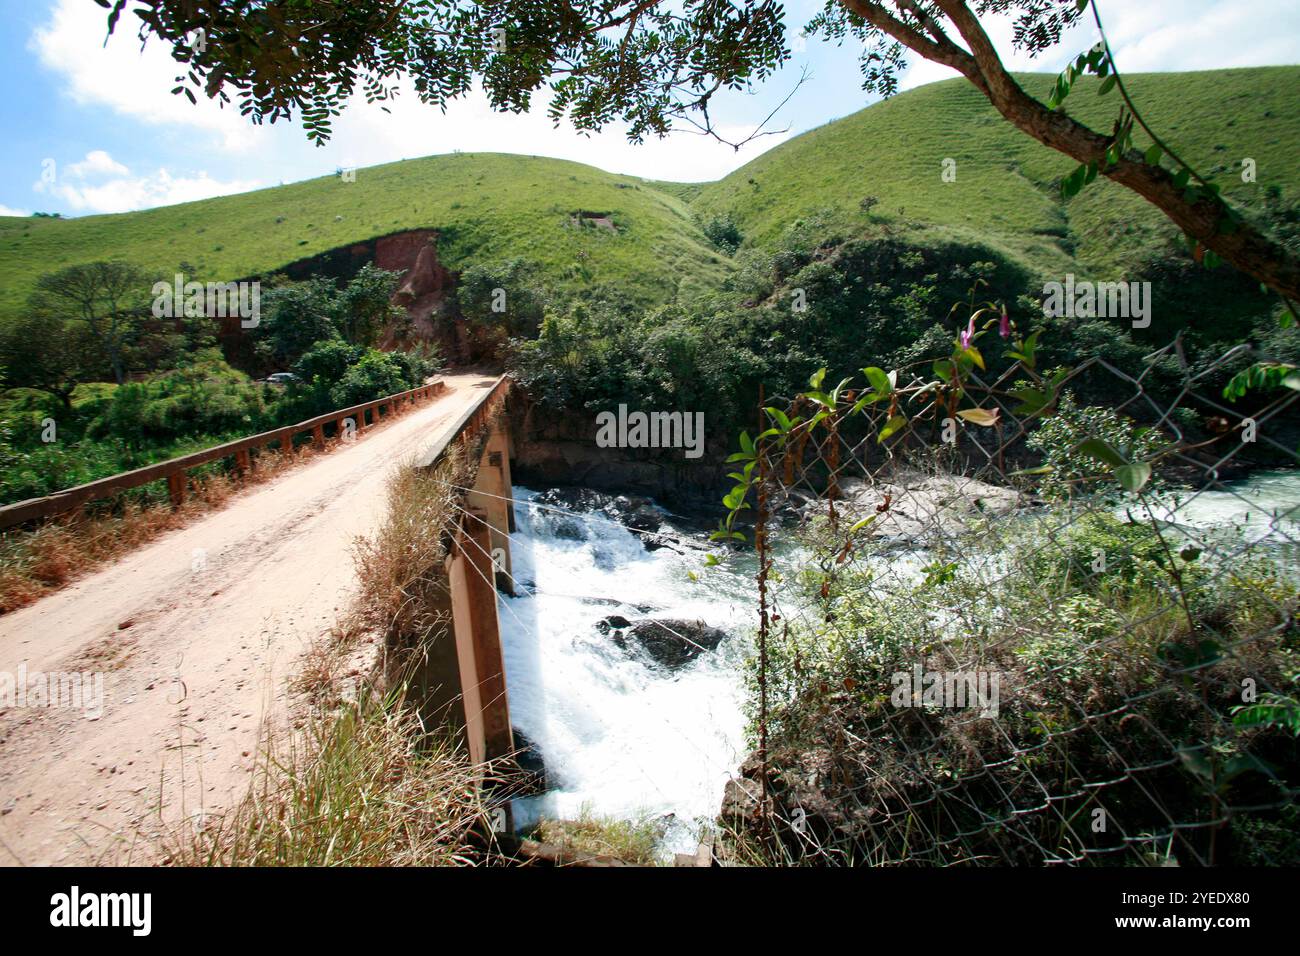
[
  {"x": 531, "y": 777},
  {"x": 670, "y": 642},
  {"x": 914, "y": 507}
]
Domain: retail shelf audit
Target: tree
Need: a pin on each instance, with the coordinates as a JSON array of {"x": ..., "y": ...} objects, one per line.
[
  {"x": 294, "y": 318},
  {"x": 43, "y": 352},
  {"x": 364, "y": 307},
  {"x": 106, "y": 296},
  {"x": 375, "y": 375},
  {"x": 655, "y": 65},
  {"x": 506, "y": 296}
]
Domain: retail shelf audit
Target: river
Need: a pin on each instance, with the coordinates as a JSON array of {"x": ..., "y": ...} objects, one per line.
[{"x": 624, "y": 737}]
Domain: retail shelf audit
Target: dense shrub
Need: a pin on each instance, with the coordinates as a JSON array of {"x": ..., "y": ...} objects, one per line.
[
  {"x": 375, "y": 375},
  {"x": 206, "y": 396}
]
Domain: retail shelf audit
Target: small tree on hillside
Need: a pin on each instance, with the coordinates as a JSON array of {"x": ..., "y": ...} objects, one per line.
[
  {"x": 364, "y": 309},
  {"x": 504, "y": 296},
  {"x": 655, "y": 65},
  {"x": 294, "y": 318},
  {"x": 45, "y": 353},
  {"x": 107, "y": 297}
]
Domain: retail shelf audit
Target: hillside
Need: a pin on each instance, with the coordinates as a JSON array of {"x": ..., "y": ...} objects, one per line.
[
  {"x": 486, "y": 206},
  {"x": 496, "y": 206},
  {"x": 1005, "y": 189}
]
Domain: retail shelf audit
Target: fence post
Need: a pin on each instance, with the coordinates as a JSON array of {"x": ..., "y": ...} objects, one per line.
[
  {"x": 243, "y": 461},
  {"x": 176, "y": 488}
]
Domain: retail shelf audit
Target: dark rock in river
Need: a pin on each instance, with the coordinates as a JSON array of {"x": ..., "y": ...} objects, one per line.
[
  {"x": 670, "y": 642},
  {"x": 634, "y": 512},
  {"x": 566, "y": 529},
  {"x": 531, "y": 777}
]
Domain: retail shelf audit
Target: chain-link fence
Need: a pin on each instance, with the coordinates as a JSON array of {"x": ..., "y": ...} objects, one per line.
[{"x": 1023, "y": 617}]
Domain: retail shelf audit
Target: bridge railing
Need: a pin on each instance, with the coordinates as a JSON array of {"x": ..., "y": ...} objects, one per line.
[
  {"x": 471, "y": 422},
  {"x": 174, "y": 469}
]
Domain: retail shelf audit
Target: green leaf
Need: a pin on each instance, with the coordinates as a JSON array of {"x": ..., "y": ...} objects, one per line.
[
  {"x": 1032, "y": 400},
  {"x": 1107, "y": 84},
  {"x": 864, "y": 523},
  {"x": 1133, "y": 477},
  {"x": 781, "y": 417},
  {"x": 1101, "y": 451},
  {"x": 891, "y": 427},
  {"x": 880, "y": 381}
]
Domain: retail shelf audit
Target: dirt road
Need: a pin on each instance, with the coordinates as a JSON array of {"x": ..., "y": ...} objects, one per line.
[{"x": 196, "y": 635}]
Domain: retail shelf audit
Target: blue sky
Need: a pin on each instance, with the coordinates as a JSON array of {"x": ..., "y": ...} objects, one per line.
[{"x": 95, "y": 129}]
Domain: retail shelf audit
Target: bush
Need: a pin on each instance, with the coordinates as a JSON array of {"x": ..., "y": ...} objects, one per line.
[
  {"x": 1074, "y": 472},
  {"x": 206, "y": 397},
  {"x": 723, "y": 233},
  {"x": 377, "y": 374}
]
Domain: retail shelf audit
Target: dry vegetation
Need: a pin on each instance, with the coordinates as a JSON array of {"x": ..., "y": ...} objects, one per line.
[
  {"x": 365, "y": 782},
  {"x": 366, "y": 785}
]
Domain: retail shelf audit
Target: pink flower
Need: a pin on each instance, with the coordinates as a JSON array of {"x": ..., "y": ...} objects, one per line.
[
  {"x": 967, "y": 337},
  {"x": 1004, "y": 326}
]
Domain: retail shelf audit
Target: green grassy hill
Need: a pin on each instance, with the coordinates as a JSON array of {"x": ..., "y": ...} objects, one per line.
[
  {"x": 488, "y": 206},
  {"x": 1005, "y": 191},
  {"x": 494, "y": 206}
]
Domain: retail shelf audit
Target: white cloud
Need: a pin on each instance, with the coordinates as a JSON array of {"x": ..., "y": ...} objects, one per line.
[
  {"x": 1157, "y": 36},
  {"x": 7, "y": 211},
  {"x": 97, "y": 163},
  {"x": 120, "y": 76},
  {"x": 99, "y": 183}
]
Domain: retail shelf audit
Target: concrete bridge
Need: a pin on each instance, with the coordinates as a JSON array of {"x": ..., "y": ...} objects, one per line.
[{"x": 201, "y": 632}]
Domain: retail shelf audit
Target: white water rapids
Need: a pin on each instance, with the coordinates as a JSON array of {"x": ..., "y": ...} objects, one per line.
[{"x": 622, "y": 737}]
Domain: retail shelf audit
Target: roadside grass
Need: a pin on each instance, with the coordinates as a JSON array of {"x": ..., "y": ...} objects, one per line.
[
  {"x": 367, "y": 782},
  {"x": 400, "y": 565},
  {"x": 366, "y": 785}
]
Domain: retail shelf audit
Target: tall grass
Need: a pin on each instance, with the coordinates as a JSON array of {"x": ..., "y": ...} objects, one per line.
[
  {"x": 633, "y": 840},
  {"x": 365, "y": 786},
  {"x": 367, "y": 783}
]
